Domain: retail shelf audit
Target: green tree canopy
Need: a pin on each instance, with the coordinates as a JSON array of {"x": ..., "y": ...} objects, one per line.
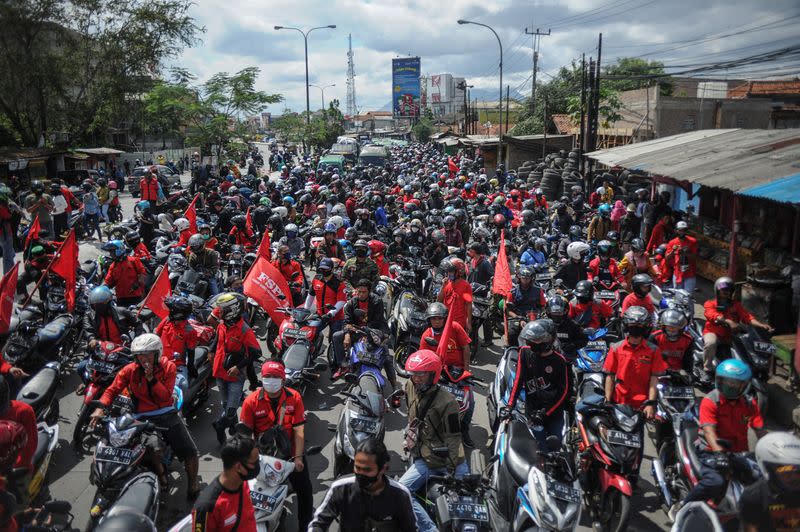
[{"x": 635, "y": 67}]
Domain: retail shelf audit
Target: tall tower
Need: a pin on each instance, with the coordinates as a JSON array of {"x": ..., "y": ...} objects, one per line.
[{"x": 352, "y": 110}]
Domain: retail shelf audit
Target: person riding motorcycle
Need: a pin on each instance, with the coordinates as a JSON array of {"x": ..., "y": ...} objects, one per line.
[
  {"x": 569, "y": 334},
  {"x": 573, "y": 270},
  {"x": 183, "y": 228},
  {"x": 456, "y": 293},
  {"x": 636, "y": 261},
  {"x": 204, "y": 261},
  {"x": 292, "y": 271},
  {"x": 377, "y": 251},
  {"x": 575, "y": 234},
  {"x": 641, "y": 285},
  {"x": 587, "y": 312},
  {"x": 674, "y": 342},
  {"x": 535, "y": 252},
  {"x": 603, "y": 269},
  {"x": 432, "y": 423},
  {"x": 22, "y": 414},
  {"x": 126, "y": 274},
  {"x": 179, "y": 339},
  {"x": 360, "y": 266},
  {"x": 364, "y": 225},
  {"x": 240, "y": 234},
  {"x": 207, "y": 234},
  {"x": 106, "y": 322},
  {"x": 292, "y": 241},
  {"x": 527, "y": 301},
  {"x": 416, "y": 234},
  {"x": 600, "y": 224},
  {"x": 452, "y": 235},
  {"x": 150, "y": 380},
  {"x": 134, "y": 241},
  {"x": 545, "y": 375}
]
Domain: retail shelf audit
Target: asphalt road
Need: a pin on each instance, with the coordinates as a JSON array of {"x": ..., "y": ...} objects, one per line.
[{"x": 69, "y": 474}]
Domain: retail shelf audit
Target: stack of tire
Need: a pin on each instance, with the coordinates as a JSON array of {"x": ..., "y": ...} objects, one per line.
[
  {"x": 526, "y": 168},
  {"x": 570, "y": 175},
  {"x": 551, "y": 183}
]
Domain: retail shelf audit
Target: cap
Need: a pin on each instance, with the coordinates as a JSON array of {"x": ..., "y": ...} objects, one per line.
[
  {"x": 273, "y": 368},
  {"x": 682, "y": 225}
]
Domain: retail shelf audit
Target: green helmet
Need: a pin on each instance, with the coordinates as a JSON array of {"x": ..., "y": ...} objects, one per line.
[{"x": 37, "y": 251}]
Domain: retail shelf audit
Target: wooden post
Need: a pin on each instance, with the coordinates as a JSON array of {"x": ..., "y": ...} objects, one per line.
[{"x": 734, "y": 233}]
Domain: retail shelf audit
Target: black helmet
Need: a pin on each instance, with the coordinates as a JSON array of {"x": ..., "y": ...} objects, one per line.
[
  {"x": 641, "y": 284},
  {"x": 537, "y": 335},
  {"x": 436, "y": 310},
  {"x": 672, "y": 323},
  {"x": 637, "y": 321},
  {"x": 604, "y": 248},
  {"x": 196, "y": 242},
  {"x": 525, "y": 271},
  {"x": 132, "y": 238},
  {"x": 180, "y": 308},
  {"x": 637, "y": 244},
  {"x": 575, "y": 231},
  {"x": 612, "y": 236},
  {"x": 125, "y": 519},
  {"x": 361, "y": 244},
  {"x": 449, "y": 220},
  {"x": 723, "y": 283},
  {"x": 239, "y": 221},
  {"x": 557, "y": 308},
  {"x": 37, "y": 187},
  {"x": 584, "y": 291},
  {"x": 527, "y": 216}
]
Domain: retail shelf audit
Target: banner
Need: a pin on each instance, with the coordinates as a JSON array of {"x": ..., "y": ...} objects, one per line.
[
  {"x": 447, "y": 332},
  {"x": 265, "y": 284},
  {"x": 264, "y": 248},
  {"x": 8, "y": 287},
  {"x": 502, "y": 273},
  {"x": 405, "y": 87},
  {"x": 158, "y": 293},
  {"x": 33, "y": 233}
]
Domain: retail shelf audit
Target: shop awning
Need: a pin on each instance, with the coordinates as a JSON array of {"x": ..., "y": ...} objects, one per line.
[
  {"x": 99, "y": 151},
  {"x": 785, "y": 190},
  {"x": 732, "y": 159}
]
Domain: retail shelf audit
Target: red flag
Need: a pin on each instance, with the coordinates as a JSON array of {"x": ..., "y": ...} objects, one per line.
[
  {"x": 8, "y": 286},
  {"x": 158, "y": 293},
  {"x": 191, "y": 214},
  {"x": 65, "y": 265},
  {"x": 248, "y": 221},
  {"x": 264, "y": 248},
  {"x": 265, "y": 284},
  {"x": 447, "y": 332},
  {"x": 33, "y": 232},
  {"x": 451, "y": 165},
  {"x": 502, "y": 274}
]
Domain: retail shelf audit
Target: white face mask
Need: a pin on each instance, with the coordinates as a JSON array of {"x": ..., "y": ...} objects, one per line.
[{"x": 272, "y": 384}]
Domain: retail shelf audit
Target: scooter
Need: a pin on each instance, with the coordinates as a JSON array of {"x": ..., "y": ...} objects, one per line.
[
  {"x": 752, "y": 345},
  {"x": 407, "y": 321},
  {"x": 299, "y": 343},
  {"x": 532, "y": 489},
  {"x": 141, "y": 494},
  {"x": 32, "y": 345},
  {"x": 500, "y": 387}
]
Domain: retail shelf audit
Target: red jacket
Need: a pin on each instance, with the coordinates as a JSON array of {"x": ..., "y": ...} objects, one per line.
[
  {"x": 176, "y": 337},
  {"x": 329, "y": 293},
  {"x": 23, "y": 414},
  {"x": 124, "y": 276},
  {"x": 454, "y": 356},
  {"x": 633, "y": 300},
  {"x": 146, "y": 396},
  {"x": 735, "y": 312},
  {"x": 632, "y": 367},
  {"x": 141, "y": 252},
  {"x": 257, "y": 412},
  {"x": 244, "y": 238},
  {"x": 604, "y": 273},
  {"x": 596, "y": 313},
  {"x": 238, "y": 337},
  {"x": 149, "y": 189}
]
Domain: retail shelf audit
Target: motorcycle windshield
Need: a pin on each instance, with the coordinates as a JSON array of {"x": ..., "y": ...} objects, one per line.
[{"x": 374, "y": 400}]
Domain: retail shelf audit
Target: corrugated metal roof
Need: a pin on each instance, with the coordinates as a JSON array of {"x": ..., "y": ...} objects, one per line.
[
  {"x": 733, "y": 159},
  {"x": 785, "y": 190}
]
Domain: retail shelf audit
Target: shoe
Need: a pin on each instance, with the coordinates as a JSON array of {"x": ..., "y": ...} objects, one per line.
[
  {"x": 466, "y": 440},
  {"x": 339, "y": 373},
  {"x": 673, "y": 511},
  {"x": 220, "y": 430}
]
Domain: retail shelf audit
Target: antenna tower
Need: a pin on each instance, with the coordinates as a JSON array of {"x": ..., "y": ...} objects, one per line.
[{"x": 352, "y": 109}]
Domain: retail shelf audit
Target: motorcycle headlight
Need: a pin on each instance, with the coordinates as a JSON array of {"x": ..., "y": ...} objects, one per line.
[
  {"x": 349, "y": 450},
  {"x": 626, "y": 422},
  {"x": 119, "y": 438}
]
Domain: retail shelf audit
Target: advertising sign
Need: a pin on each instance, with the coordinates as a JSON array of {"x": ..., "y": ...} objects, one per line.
[{"x": 405, "y": 87}]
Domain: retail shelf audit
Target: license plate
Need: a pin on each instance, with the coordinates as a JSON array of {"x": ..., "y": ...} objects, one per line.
[
  {"x": 122, "y": 402},
  {"x": 678, "y": 392},
  {"x": 114, "y": 454},
  {"x": 607, "y": 294},
  {"x": 102, "y": 367},
  {"x": 455, "y": 391},
  {"x": 544, "y": 276},
  {"x": 263, "y": 502},
  {"x": 468, "y": 510},
  {"x": 627, "y": 439},
  {"x": 765, "y": 347},
  {"x": 563, "y": 491},
  {"x": 294, "y": 333},
  {"x": 597, "y": 345},
  {"x": 360, "y": 424}
]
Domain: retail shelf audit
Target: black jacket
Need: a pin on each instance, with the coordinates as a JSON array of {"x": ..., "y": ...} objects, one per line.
[
  {"x": 376, "y": 318},
  {"x": 121, "y": 316},
  {"x": 571, "y": 338},
  {"x": 571, "y": 273}
]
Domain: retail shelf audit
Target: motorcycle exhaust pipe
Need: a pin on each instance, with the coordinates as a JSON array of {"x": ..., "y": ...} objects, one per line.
[{"x": 658, "y": 474}]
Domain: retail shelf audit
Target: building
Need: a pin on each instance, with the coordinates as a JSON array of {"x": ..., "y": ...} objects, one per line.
[
  {"x": 783, "y": 95},
  {"x": 371, "y": 121},
  {"x": 444, "y": 95}
]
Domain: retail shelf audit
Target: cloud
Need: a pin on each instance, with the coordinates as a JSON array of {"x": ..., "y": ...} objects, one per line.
[{"x": 241, "y": 33}]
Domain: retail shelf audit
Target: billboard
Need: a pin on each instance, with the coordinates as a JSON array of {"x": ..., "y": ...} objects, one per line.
[{"x": 405, "y": 87}]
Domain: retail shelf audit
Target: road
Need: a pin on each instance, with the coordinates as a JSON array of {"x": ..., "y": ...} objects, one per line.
[{"x": 69, "y": 475}]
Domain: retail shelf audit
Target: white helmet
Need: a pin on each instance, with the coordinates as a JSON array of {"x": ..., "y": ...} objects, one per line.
[
  {"x": 281, "y": 211},
  {"x": 337, "y": 221},
  {"x": 181, "y": 224},
  {"x": 576, "y": 250},
  {"x": 778, "y": 456},
  {"x": 146, "y": 343},
  {"x": 600, "y": 190}
]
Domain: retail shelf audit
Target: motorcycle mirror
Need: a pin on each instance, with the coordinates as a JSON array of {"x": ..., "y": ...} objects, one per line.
[
  {"x": 58, "y": 507},
  {"x": 320, "y": 366},
  {"x": 351, "y": 378},
  {"x": 553, "y": 443},
  {"x": 431, "y": 342},
  {"x": 314, "y": 449}
]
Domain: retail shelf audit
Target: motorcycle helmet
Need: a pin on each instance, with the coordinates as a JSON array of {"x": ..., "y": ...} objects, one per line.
[
  {"x": 537, "y": 336},
  {"x": 604, "y": 210},
  {"x": 527, "y": 216},
  {"x": 726, "y": 285},
  {"x": 196, "y": 242},
  {"x": 575, "y": 231},
  {"x": 239, "y": 221},
  {"x": 672, "y": 323},
  {"x": 180, "y": 308},
  {"x": 376, "y": 247},
  {"x": 230, "y": 306},
  {"x": 37, "y": 251},
  {"x": 637, "y": 321},
  {"x": 637, "y": 244},
  {"x": 539, "y": 192},
  {"x": 100, "y": 295},
  {"x": 361, "y": 248},
  {"x": 116, "y": 249},
  {"x": 525, "y": 272},
  {"x": 232, "y": 191},
  {"x": 641, "y": 284},
  {"x": 325, "y": 266},
  {"x": 584, "y": 291},
  {"x": 778, "y": 456},
  {"x": 577, "y": 251},
  {"x": 449, "y": 221},
  {"x": 291, "y": 230},
  {"x": 425, "y": 361},
  {"x": 37, "y": 187},
  {"x": 133, "y": 239},
  {"x": 499, "y": 220},
  {"x": 290, "y": 200},
  {"x": 181, "y": 224},
  {"x": 147, "y": 343},
  {"x": 732, "y": 378},
  {"x": 330, "y": 228},
  {"x": 557, "y": 308},
  {"x": 125, "y": 519},
  {"x": 604, "y": 249},
  {"x": 436, "y": 310},
  {"x": 13, "y": 437},
  {"x": 351, "y": 234},
  {"x": 613, "y": 237}
]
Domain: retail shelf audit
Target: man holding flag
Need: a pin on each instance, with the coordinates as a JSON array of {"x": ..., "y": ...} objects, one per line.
[{"x": 501, "y": 284}]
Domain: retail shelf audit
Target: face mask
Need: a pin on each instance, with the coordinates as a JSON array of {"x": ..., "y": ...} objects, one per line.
[
  {"x": 637, "y": 331},
  {"x": 361, "y": 253},
  {"x": 205, "y": 237},
  {"x": 422, "y": 388},
  {"x": 414, "y": 229},
  {"x": 287, "y": 256},
  {"x": 365, "y": 481},
  {"x": 451, "y": 276},
  {"x": 251, "y": 472},
  {"x": 272, "y": 384}
]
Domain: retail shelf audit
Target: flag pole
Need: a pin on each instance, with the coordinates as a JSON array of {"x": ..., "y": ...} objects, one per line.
[{"x": 155, "y": 283}]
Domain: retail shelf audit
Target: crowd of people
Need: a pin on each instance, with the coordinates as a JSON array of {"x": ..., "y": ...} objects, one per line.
[{"x": 334, "y": 239}]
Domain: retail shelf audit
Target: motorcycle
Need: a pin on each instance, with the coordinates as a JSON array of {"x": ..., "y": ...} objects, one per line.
[
  {"x": 609, "y": 440},
  {"x": 532, "y": 489},
  {"x": 459, "y": 383},
  {"x": 500, "y": 387},
  {"x": 752, "y": 345},
  {"x": 299, "y": 342},
  {"x": 407, "y": 321},
  {"x": 481, "y": 310},
  {"x": 32, "y": 345},
  {"x": 141, "y": 494}
]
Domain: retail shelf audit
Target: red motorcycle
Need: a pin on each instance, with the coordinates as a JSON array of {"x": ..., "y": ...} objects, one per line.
[
  {"x": 609, "y": 449},
  {"x": 299, "y": 343}
]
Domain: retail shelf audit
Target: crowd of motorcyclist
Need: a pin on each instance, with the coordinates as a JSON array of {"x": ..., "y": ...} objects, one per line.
[{"x": 580, "y": 263}]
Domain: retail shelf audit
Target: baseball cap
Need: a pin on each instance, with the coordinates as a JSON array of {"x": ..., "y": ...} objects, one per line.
[{"x": 273, "y": 368}]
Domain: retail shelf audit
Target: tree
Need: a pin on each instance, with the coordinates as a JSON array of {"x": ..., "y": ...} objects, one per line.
[
  {"x": 75, "y": 67},
  {"x": 556, "y": 91},
  {"x": 634, "y": 68},
  {"x": 170, "y": 107},
  {"x": 290, "y": 126},
  {"x": 423, "y": 129}
]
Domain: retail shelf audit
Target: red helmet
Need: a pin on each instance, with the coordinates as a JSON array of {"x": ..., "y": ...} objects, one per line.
[
  {"x": 273, "y": 368},
  {"x": 416, "y": 202},
  {"x": 12, "y": 440},
  {"x": 499, "y": 219},
  {"x": 425, "y": 360},
  {"x": 459, "y": 266},
  {"x": 515, "y": 193},
  {"x": 376, "y": 247}
]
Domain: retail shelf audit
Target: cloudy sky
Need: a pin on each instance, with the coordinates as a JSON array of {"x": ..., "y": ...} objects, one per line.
[{"x": 239, "y": 33}]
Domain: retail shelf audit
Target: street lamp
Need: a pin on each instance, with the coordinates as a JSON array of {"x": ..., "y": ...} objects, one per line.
[
  {"x": 322, "y": 89},
  {"x": 500, "y": 100},
  {"x": 305, "y": 41}
]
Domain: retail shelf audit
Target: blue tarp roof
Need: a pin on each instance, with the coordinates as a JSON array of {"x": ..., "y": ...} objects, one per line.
[{"x": 785, "y": 189}]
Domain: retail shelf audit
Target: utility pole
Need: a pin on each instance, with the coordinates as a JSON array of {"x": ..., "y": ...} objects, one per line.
[
  {"x": 508, "y": 100},
  {"x": 351, "y": 108},
  {"x": 537, "y": 35},
  {"x": 582, "y": 129}
]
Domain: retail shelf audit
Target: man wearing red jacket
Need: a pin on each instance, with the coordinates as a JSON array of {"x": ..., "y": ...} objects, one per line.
[
  {"x": 149, "y": 187},
  {"x": 150, "y": 380},
  {"x": 587, "y": 312},
  {"x": 23, "y": 414},
  {"x": 292, "y": 271},
  {"x": 126, "y": 274},
  {"x": 603, "y": 269}
]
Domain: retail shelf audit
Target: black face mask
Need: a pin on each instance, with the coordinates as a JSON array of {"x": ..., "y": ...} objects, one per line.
[
  {"x": 251, "y": 472},
  {"x": 365, "y": 482},
  {"x": 361, "y": 253},
  {"x": 637, "y": 331}
]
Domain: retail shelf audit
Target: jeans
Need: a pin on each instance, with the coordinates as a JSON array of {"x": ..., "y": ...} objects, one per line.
[
  {"x": 552, "y": 425},
  {"x": 711, "y": 484},
  {"x": 213, "y": 286},
  {"x": 337, "y": 348},
  {"x": 7, "y": 244},
  {"x": 231, "y": 396},
  {"x": 415, "y": 478},
  {"x": 466, "y": 421},
  {"x": 104, "y": 212},
  {"x": 687, "y": 284},
  {"x": 91, "y": 224}
]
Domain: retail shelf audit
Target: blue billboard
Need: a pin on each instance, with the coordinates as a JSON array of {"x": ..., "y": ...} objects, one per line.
[{"x": 405, "y": 87}]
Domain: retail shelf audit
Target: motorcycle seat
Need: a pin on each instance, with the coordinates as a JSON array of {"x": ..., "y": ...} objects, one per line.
[
  {"x": 521, "y": 454},
  {"x": 295, "y": 356},
  {"x": 140, "y": 493},
  {"x": 200, "y": 356},
  {"x": 55, "y": 330},
  {"x": 689, "y": 435},
  {"x": 42, "y": 443},
  {"x": 38, "y": 392}
]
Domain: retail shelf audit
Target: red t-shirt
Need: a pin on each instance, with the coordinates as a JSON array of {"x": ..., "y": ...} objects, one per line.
[
  {"x": 232, "y": 339},
  {"x": 455, "y": 346},
  {"x": 731, "y": 418},
  {"x": 689, "y": 246},
  {"x": 23, "y": 414},
  {"x": 176, "y": 337},
  {"x": 633, "y": 366},
  {"x": 456, "y": 294},
  {"x": 735, "y": 312},
  {"x": 672, "y": 352},
  {"x": 124, "y": 275},
  {"x": 633, "y": 300},
  {"x": 141, "y": 251},
  {"x": 220, "y": 510},
  {"x": 258, "y": 414},
  {"x": 599, "y": 313}
]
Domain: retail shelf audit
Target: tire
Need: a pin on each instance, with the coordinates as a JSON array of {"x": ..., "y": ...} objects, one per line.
[
  {"x": 620, "y": 506},
  {"x": 401, "y": 353},
  {"x": 80, "y": 434},
  {"x": 477, "y": 462}
]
